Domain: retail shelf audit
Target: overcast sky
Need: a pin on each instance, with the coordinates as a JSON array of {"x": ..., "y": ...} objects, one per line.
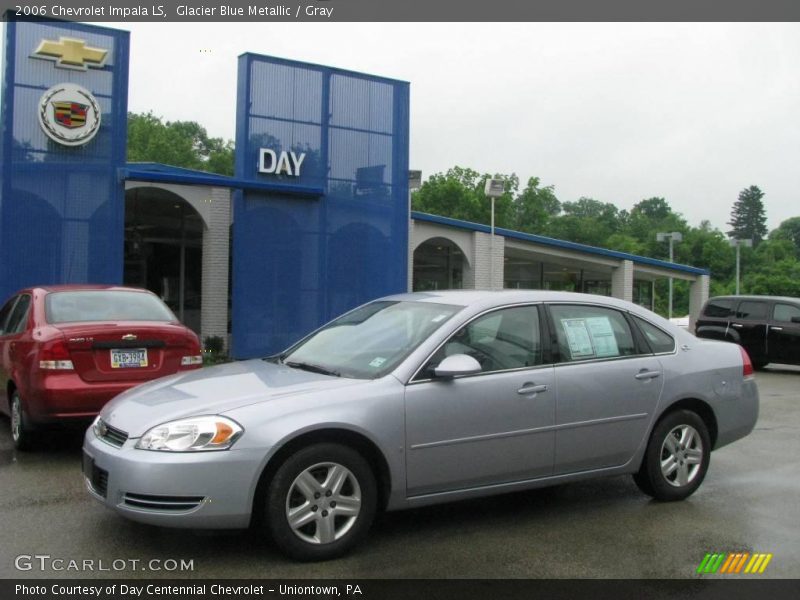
[{"x": 616, "y": 112}]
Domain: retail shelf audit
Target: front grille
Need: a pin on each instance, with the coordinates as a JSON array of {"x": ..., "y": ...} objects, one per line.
[
  {"x": 112, "y": 435},
  {"x": 162, "y": 503},
  {"x": 99, "y": 480}
]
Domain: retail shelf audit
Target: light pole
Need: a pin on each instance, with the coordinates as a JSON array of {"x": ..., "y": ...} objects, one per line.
[
  {"x": 672, "y": 237},
  {"x": 414, "y": 183},
  {"x": 494, "y": 189},
  {"x": 738, "y": 244}
]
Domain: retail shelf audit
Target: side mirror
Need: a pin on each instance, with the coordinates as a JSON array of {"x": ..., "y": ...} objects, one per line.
[
  {"x": 795, "y": 319},
  {"x": 457, "y": 364}
]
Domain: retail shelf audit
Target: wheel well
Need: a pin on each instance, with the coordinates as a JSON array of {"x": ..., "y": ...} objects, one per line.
[
  {"x": 702, "y": 410},
  {"x": 356, "y": 441}
]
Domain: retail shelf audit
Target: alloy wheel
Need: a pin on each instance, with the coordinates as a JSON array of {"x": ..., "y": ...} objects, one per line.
[
  {"x": 16, "y": 418},
  {"x": 681, "y": 455},
  {"x": 323, "y": 503}
]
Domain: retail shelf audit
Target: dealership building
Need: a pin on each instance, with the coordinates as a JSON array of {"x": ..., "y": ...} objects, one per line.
[{"x": 315, "y": 221}]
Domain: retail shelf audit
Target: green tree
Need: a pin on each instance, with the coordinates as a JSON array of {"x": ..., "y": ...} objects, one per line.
[
  {"x": 708, "y": 248},
  {"x": 748, "y": 216},
  {"x": 649, "y": 217},
  {"x": 587, "y": 221},
  {"x": 535, "y": 207},
  {"x": 459, "y": 194},
  {"x": 775, "y": 270},
  {"x": 788, "y": 230},
  {"x": 178, "y": 143}
]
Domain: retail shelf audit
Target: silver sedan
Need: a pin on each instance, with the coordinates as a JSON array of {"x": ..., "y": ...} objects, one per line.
[{"x": 418, "y": 399}]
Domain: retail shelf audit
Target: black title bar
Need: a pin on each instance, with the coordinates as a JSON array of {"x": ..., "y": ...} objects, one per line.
[{"x": 270, "y": 11}]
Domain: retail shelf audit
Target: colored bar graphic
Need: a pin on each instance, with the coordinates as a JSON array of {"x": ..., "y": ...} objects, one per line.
[
  {"x": 732, "y": 558},
  {"x": 732, "y": 563},
  {"x": 741, "y": 562}
]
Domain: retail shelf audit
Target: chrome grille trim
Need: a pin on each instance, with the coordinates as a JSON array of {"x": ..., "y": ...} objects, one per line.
[
  {"x": 162, "y": 503},
  {"x": 115, "y": 437}
]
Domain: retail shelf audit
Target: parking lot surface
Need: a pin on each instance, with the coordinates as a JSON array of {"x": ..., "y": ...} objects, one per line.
[{"x": 603, "y": 528}]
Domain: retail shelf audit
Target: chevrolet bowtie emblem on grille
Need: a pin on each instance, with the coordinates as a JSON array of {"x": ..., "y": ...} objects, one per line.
[
  {"x": 128, "y": 337},
  {"x": 70, "y": 53}
]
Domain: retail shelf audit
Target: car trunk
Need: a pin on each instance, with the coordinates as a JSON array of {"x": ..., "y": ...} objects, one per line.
[{"x": 127, "y": 351}]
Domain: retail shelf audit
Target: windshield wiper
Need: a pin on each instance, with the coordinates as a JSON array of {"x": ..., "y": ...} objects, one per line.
[{"x": 312, "y": 368}]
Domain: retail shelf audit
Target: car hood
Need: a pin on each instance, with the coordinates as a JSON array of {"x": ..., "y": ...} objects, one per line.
[{"x": 212, "y": 390}]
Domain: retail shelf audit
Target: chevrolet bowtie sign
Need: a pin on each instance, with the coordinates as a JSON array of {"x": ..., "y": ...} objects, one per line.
[
  {"x": 277, "y": 163},
  {"x": 70, "y": 53}
]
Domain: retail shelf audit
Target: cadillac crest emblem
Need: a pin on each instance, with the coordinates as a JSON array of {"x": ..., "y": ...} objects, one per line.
[{"x": 69, "y": 114}]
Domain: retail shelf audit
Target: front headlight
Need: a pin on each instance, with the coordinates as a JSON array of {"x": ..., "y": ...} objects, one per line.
[{"x": 188, "y": 435}]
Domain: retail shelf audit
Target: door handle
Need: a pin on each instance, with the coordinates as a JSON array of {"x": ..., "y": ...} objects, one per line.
[
  {"x": 641, "y": 375},
  {"x": 776, "y": 328},
  {"x": 737, "y": 325},
  {"x": 531, "y": 388}
]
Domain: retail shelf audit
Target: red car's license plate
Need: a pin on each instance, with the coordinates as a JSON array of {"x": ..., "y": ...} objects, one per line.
[{"x": 129, "y": 358}]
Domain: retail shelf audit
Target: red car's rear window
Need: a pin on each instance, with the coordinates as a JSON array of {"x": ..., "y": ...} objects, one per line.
[{"x": 105, "y": 305}]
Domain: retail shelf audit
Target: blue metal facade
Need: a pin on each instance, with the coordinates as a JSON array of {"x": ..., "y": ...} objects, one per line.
[
  {"x": 61, "y": 208},
  {"x": 298, "y": 258}
]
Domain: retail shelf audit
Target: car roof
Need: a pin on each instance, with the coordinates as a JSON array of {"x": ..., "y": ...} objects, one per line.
[
  {"x": 756, "y": 297},
  {"x": 82, "y": 287},
  {"x": 498, "y": 297}
]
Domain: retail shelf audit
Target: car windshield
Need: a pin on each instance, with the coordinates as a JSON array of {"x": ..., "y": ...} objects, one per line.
[
  {"x": 371, "y": 340},
  {"x": 105, "y": 305}
]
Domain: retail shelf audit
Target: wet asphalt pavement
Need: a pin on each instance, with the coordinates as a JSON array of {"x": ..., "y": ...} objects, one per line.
[{"x": 604, "y": 528}]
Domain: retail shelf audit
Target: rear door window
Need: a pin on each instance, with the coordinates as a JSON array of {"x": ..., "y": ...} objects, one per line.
[
  {"x": 659, "y": 341},
  {"x": 786, "y": 312},
  {"x": 752, "y": 310},
  {"x": 19, "y": 316},
  {"x": 5, "y": 312},
  {"x": 591, "y": 332},
  {"x": 719, "y": 308}
]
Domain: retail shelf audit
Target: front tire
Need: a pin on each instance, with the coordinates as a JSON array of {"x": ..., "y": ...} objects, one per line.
[
  {"x": 321, "y": 502},
  {"x": 677, "y": 457},
  {"x": 21, "y": 430}
]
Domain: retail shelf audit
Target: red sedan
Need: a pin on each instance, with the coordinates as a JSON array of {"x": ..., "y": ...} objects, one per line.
[{"x": 67, "y": 350}]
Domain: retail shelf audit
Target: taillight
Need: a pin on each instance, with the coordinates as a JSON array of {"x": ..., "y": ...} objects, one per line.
[
  {"x": 194, "y": 356},
  {"x": 55, "y": 356},
  {"x": 195, "y": 359},
  {"x": 747, "y": 365}
]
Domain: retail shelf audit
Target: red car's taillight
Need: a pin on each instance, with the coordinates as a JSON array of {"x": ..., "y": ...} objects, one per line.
[
  {"x": 194, "y": 358},
  {"x": 747, "y": 365},
  {"x": 55, "y": 356}
]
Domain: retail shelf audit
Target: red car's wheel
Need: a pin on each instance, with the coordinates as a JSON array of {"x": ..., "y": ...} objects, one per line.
[{"x": 21, "y": 432}]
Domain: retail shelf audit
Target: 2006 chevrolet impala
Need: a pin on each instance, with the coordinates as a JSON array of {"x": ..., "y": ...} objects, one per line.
[{"x": 417, "y": 399}]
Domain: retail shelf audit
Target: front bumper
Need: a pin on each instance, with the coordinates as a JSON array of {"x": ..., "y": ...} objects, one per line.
[{"x": 200, "y": 490}]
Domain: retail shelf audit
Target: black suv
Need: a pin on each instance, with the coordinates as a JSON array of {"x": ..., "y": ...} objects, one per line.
[{"x": 767, "y": 326}]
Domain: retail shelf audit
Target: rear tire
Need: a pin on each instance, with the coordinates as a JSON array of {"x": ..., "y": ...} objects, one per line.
[
  {"x": 21, "y": 431},
  {"x": 677, "y": 457},
  {"x": 320, "y": 502}
]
